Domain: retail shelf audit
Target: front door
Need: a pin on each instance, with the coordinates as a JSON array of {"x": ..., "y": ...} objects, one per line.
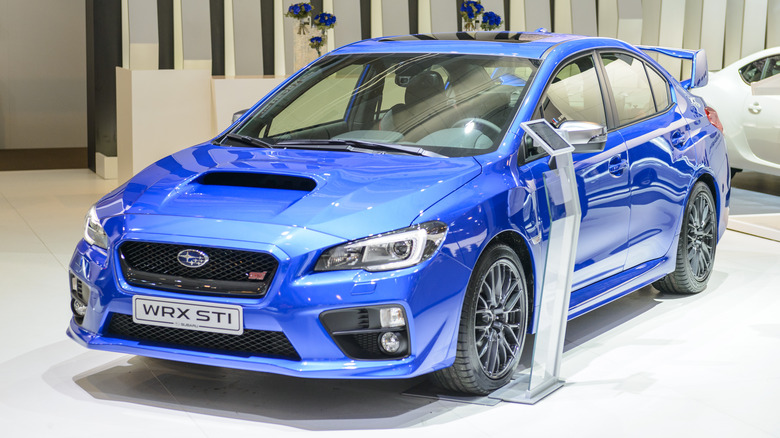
[{"x": 602, "y": 177}]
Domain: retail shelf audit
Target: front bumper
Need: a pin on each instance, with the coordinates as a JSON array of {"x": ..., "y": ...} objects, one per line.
[{"x": 431, "y": 295}]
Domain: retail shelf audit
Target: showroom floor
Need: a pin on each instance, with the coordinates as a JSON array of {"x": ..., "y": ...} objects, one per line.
[{"x": 646, "y": 365}]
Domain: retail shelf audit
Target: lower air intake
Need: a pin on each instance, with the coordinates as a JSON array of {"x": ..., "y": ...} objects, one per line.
[{"x": 251, "y": 343}]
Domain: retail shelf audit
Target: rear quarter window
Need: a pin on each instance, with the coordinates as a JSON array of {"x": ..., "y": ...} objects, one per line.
[
  {"x": 752, "y": 72},
  {"x": 660, "y": 90},
  {"x": 630, "y": 87}
]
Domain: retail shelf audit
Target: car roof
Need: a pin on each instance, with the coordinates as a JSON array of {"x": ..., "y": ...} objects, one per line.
[{"x": 525, "y": 44}]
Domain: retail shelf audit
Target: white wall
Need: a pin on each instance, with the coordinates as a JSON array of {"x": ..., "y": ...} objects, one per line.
[
  {"x": 43, "y": 47},
  {"x": 43, "y": 74}
]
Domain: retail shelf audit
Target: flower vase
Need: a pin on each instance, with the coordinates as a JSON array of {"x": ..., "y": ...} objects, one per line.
[{"x": 303, "y": 54}]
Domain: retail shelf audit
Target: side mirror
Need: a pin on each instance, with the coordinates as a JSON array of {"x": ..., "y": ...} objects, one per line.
[
  {"x": 237, "y": 115},
  {"x": 584, "y": 136}
]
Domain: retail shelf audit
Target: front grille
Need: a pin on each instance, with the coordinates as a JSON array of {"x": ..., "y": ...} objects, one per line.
[
  {"x": 250, "y": 343},
  {"x": 227, "y": 272}
]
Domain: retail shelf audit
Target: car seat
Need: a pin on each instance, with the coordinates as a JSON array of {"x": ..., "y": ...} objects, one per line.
[{"x": 423, "y": 99}]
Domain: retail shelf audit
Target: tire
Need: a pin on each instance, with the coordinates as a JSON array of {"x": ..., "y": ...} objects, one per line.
[
  {"x": 492, "y": 327},
  {"x": 696, "y": 245}
]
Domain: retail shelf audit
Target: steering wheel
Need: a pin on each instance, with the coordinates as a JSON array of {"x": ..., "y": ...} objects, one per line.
[{"x": 479, "y": 122}]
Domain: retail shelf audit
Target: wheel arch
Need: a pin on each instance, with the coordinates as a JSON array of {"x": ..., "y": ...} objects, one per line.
[
  {"x": 709, "y": 181},
  {"x": 517, "y": 243}
]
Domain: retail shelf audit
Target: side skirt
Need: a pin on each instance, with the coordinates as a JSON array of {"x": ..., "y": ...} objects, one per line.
[{"x": 621, "y": 284}]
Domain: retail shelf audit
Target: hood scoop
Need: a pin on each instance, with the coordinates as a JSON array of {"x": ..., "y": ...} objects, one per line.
[
  {"x": 234, "y": 195},
  {"x": 257, "y": 180}
]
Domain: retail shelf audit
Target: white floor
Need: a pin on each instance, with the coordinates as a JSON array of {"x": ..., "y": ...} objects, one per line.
[{"x": 646, "y": 365}]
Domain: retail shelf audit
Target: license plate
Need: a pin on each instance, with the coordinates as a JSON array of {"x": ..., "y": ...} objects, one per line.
[{"x": 191, "y": 315}]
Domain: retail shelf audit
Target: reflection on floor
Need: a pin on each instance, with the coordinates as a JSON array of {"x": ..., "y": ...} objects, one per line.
[
  {"x": 757, "y": 182},
  {"x": 646, "y": 365}
]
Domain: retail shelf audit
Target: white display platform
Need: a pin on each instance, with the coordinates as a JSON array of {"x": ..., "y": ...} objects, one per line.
[{"x": 646, "y": 365}]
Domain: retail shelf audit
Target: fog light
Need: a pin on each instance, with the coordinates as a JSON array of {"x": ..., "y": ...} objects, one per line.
[
  {"x": 391, "y": 317},
  {"x": 390, "y": 342},
  {"x": 79, "y": 308}
]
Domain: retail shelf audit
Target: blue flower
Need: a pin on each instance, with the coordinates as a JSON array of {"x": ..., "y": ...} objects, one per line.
[
  {"x": 299, "y": 10},
  {"x": 324, "y": 21},
  {"x": 317, "y": 43},
  {"x": 490, "y": 21},
  {"x": 471, "y": 9}
]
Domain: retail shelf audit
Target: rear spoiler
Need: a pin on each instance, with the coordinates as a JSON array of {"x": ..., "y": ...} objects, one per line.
[{"x": 698, "y": 58}]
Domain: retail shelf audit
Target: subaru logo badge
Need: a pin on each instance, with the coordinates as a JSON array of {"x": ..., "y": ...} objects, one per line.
[{"x": 192, "y": 258}]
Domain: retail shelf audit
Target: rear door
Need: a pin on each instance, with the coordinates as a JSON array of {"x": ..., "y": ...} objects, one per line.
[
  {"x": 660, "y": 152},
  {"x": 761, "y": 113}
]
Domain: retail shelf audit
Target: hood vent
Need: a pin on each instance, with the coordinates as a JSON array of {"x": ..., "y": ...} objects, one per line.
[{"x": 258, "y": 180}]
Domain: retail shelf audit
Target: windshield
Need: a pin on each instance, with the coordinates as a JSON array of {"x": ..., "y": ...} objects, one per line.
[{"x": 441, "y": 104}]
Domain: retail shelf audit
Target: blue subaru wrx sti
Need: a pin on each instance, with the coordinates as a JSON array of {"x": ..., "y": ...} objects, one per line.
[{"x": 382, "y": 214}]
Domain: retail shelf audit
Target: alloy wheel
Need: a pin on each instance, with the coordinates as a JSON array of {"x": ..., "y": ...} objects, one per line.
[
  {"x": 701, "y": 237},
  {"x": 500, "y": 318}
]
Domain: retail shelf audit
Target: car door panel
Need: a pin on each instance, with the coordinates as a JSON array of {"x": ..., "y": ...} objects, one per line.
[
  {"x": 657, "y": 140},
  {"x": 602, "y": 181},
  {"x": 575, "y": 93},
  {"x": 761, "y": 119},
  {"x": 661, "y": 159}
]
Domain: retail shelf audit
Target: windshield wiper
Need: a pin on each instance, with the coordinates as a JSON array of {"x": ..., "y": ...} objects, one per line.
[
  {"x": 361, "y": 146},
  {"x": 247, "y": 140}
]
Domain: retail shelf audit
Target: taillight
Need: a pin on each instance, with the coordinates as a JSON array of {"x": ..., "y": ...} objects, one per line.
[{"x": 712, "y": 116}]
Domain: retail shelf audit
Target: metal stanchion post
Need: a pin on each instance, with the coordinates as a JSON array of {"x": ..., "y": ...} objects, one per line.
[{"x": 560, "y": 184}]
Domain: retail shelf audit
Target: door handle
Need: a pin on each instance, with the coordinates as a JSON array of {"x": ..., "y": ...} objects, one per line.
[
  {"x": 678, "y": 138},
  {"x": 755, "y": 108},
  {"x": 616, "y": 165}
]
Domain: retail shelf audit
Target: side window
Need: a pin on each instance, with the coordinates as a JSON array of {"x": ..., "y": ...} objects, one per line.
[
  {"x": 630, "y": 87},
  {"x": 660, "y": 90},
  {"x": 574, "y": 94},
  {"x": 752, "y": 72},
  {"x": 773, "y": 68}
]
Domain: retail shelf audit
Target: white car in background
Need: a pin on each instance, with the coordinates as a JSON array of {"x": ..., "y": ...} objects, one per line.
[{"x": 746, "y": 95}]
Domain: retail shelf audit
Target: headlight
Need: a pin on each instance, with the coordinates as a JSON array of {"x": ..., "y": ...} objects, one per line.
[
  {"x": 393, "y": 250},
  {"x": 94, "y": 234}
]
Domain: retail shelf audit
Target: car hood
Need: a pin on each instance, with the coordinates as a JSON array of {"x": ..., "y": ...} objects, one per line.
[{"x": 344, "y": 194}]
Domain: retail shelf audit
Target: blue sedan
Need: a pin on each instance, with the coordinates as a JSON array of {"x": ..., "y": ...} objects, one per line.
[{"x": 382, "y": 214}]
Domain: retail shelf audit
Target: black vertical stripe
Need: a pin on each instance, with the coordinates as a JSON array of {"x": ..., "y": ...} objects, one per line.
[
  {"x": 104, "y": 54},
  {"x": 365, "y": 19},
  {"x": 90, "y": 25},
  {"x": 458, "y": 20},
  {"x": 165, "y": 33},
  {"x": 316, "y": 7},
  {"x": 552, "y": 16},
  {"x": 217, "y": 13},
  {"x": 507, "y": 6},
  {"x": 267, "y": 27},
  {"x": 414, "y": 16}
]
